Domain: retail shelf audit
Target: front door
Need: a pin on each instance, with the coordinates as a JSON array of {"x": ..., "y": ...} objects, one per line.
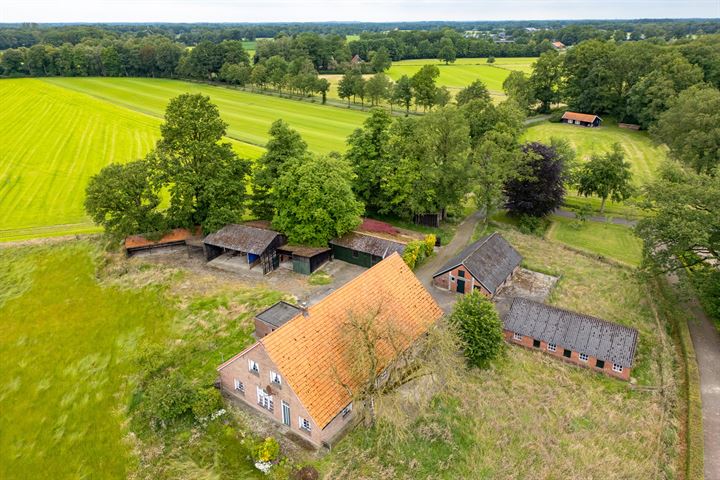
[
  {"x": 460, "y": 286},
  {"x": 286, "y": 413}
]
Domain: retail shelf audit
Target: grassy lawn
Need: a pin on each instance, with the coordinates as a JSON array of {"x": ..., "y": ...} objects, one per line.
[
  {"x": 530, "y": 416},
  {"x": 609, "y": 240},
  {"x": 53, "y": 140},
  {"x": 64, "y": 363}
]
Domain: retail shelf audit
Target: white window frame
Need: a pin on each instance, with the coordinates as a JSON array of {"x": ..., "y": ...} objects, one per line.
[
  {"x": 239, "y": 386},
  {"x": 617, "y": 368},
  {"x": 583, "y": 357},
  {"x": 552, "y": 347},
  {"x": 304, "y": 424},
  {"x": 253, "y": 366},
  {"x": 275, "y": 378},
  {"x": 265, "y": 400},
  {"x": 517, "y": 337}
]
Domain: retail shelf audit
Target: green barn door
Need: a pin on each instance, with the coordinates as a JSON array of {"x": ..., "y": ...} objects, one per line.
[{"x": 460, "y": 286}]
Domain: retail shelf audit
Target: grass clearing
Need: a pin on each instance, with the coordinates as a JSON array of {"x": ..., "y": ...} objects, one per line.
[
  {"x": 609, "y": 240},
  {"x": 531, "y": 416},
  {"x": 65, "y": 359}
]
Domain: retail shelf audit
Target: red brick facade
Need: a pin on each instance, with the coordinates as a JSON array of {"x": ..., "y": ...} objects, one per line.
[
  {"x": 239, "y": 369},
  {"x": 464, "y": 282},
  {"x": 262, "y": 328},
  {"x": 574, "y": 358}
]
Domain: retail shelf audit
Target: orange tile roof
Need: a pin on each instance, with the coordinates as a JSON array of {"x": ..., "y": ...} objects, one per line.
[
  {"x": 309, "y": 350},
  {"x": 175, "y": 235},
  {"x": 583, "y": 117}
]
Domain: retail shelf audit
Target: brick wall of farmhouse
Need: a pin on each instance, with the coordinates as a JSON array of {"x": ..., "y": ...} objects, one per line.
[
  {"x": 262, "y": 328},
  {"x": 239, "y": 369},
  {"x": 449, "y": 281},
  {"x": 527, "y": 342}
]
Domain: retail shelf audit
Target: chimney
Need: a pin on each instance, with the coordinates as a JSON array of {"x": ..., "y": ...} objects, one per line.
[{"x": 303, "y": 308}]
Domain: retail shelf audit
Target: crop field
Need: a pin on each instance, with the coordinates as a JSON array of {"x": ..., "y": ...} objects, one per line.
[
  {"x": 56, "y": 133},
  {"x": 614, "y": 241}
]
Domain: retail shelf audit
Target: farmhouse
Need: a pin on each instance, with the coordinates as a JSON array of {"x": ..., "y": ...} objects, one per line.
[
  {"x": 583, "y": 119},
  {"x": 580, "y": 339},
  {"x": 558, "y": 45},
  {"x": 253, "y": 246},
  {"x": 485, "y": 265},
  {"x": 364, "y": 249},
  {"x": 136, "y": 244},
  {"x": 301, "y": 375}
]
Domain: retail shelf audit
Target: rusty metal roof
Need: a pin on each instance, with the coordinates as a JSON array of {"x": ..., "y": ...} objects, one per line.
[
  {"x": 242, "y": 238},
  {"x": 581, "y": 333}
]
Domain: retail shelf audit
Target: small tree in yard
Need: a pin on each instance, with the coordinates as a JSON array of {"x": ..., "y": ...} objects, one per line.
[
  {"x": 402, "y": 93},
  {"x": 607, "y": 176},
  {"x": 479, "y": 328},
  {"x": 314, "y": 200}
]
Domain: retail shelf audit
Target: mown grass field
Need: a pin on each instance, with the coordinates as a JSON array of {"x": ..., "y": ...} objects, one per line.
[
  {"x": 617, "y": 242},
  {"x": 457, "y": 75},
  {"x": 56, "y": 133},
  {"x": 530, "y": 416}
]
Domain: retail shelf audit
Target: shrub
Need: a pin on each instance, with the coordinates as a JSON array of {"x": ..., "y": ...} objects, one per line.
[
  {"x": 306, "y": 473},
  {"x": 478, "y": 325},
  {"x": 491, "y": 59},
  {"x": 266, "y": 450},
  {"x": 414, "y": 252},
  {"x": 528, "y": 224},
  {"x": 430, "y": 244},
  {"x": 166, "y": 399},
  {"x": 207, "y": 401},
  {"x": 556, "y": 116}
]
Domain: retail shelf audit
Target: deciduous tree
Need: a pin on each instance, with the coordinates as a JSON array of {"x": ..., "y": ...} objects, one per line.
[
  {"x": 423, "y": 86},
  {"x": 402, "y": 93},
  {"x": 539, "y": 189},
  {"x": 479, "y": 328},
  {"x": 606, "y": 175}
]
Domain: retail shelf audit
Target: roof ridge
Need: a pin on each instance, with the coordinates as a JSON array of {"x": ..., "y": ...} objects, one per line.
[
  {"x": 477, "y": 247},
  {"x": 573, "y": 312},
  {"x": 368, "y": 234}
]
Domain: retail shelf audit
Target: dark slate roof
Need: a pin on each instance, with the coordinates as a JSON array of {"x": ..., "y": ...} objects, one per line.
[
  {"x": 581, "y": 333},
  {"x": 279, "y": 314},
  {"x": 380, "y": 247},
  {"x": 242, "y": 238},
  {"x": 303, "y": 251},
  {"x": 490, "y": 260}
]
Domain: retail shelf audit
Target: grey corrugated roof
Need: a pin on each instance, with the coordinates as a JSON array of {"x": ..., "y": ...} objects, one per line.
[
  {"x": 242, "y": 238},
  {"x": 575, "y": 331},
  {"x": 380, "y": 247},
  {"x": 279, "y": 314},
  {"x": 490, "y": 260}
]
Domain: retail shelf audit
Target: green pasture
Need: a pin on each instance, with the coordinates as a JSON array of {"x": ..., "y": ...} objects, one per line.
[
  {"x": 65, "y": 357},
  {"x": 58, "y": 132},
  {"x": 53, "y": 140},
  {"x": 249, "y": 115},
  {"x": 609, "y": 240}
]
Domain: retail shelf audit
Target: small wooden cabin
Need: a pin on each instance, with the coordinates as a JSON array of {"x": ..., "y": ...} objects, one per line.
[{"x": 582, "y": 119}]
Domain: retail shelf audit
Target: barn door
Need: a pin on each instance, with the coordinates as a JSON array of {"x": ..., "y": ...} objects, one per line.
[{"x": 460, "y": 286}]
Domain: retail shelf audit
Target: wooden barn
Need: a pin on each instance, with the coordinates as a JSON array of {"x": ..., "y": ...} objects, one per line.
[
  {"x": 304, "y": 260},
  {"x": 255, "y": 247},
  {"x": 364, "y": 249},
  {"x": 574, "y": 337},
  {"x": 485, "y": 266},
  {"x": 582, "y": 119}
]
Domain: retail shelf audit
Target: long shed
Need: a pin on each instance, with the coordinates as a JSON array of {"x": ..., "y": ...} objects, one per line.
[
  {"x": 258, "y": 245},
  {"x": 363, "y": 249}
]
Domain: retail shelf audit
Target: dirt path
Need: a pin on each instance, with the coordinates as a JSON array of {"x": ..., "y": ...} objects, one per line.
[
  {"x": 706, "y": 341},
  {"x": 462, "y": 237}
]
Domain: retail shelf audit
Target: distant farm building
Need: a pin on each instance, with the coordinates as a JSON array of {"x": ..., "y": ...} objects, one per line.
[
  {"x": 558, "y": 45},
  {"x": 582, "y": 119},
  {"x": 300, "y": 373},
  {"x": 356, "y": 60},
  {"x": 580, "y": 339},
  {"x": 485, "y": 266},
  {"x": 244, "y": 247},
  {"x": 172, "y": 241}
]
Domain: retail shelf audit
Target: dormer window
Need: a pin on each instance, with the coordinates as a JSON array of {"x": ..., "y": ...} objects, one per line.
[
  {"x": 253, "y": 367},
  {"x": 275, "y": 378}
]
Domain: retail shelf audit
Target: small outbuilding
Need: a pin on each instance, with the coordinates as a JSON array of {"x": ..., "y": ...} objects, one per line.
[
  {"x": 253, "y": 246},
  {"x": 303, "y": 259},
  {"x": 558, "y": 45},
  {"x": 582, "y": 119},
  {"x": 364, "y": 249},
  {"x": 171, "y": 241},
  {"x": 485, "y": 265},
  {"x": 274, "y": 317},
  {"x": 574, "y": 337}
]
